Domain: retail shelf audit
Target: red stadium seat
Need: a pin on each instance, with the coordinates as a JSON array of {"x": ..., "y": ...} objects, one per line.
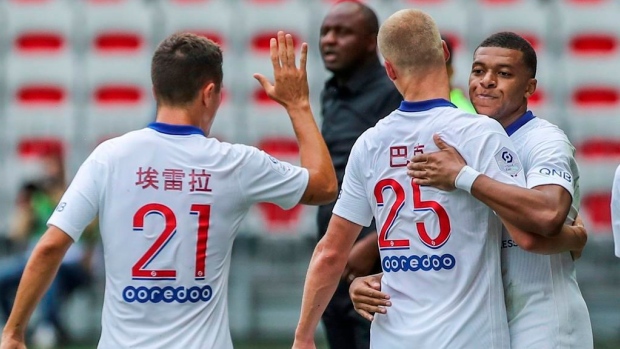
[
  {"x": 595, "y": 44},
  {"x": 40, "y": 147},
  {"x": 41, "y": 94},
  {"x": 111, "y": 42},
  {"x": 39, "y": 42},
  {"x": 211, "y": 19},
  {"x": 598, "y": 147},
  {"x": 598, "y": 210},
  {"x": 117, "y": 27},
  {"x": 39, "y": 27},
  {"x": 118, "y": 94},
  {"x": 591, "y": 96}
]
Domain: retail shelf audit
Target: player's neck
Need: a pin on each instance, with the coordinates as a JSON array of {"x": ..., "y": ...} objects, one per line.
[
  {"x": 514, "y": 116},
  {"x": 177, "y": 116},
  {"x": 415, "y": 88}
]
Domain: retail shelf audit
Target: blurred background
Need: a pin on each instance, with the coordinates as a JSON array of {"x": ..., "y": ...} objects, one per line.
[{"x": 75, "y": 72}]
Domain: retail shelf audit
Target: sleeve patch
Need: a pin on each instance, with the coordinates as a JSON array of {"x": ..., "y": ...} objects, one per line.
[
  {"x": 552, "y": 172},
  {"x": 508, "y": 161},
  {"x": 280, "y": 167}
]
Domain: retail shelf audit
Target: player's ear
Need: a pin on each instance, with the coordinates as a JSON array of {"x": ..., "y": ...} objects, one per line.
[
  {"x": 207, "y": 93},
  {"x": 531, "y": 87},
  {"x": 389, "y": 69},
  {"x": 446, "y": 52}
]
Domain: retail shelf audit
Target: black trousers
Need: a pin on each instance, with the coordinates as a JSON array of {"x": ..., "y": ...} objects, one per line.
[{"x": 345, "y": 328}]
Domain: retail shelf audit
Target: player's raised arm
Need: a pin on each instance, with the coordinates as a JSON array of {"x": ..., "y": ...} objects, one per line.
[{"x": 291, "y": 90}]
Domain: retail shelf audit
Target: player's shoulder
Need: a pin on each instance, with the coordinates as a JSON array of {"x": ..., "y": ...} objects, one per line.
[
  {"x": 539, "y": 137},
  {"x": 542, "y": 130},
  {"x": 472, "y": 125}
]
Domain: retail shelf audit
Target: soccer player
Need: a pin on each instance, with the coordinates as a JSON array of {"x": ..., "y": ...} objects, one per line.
[
  {"x": 433, "y": 265},
  {"x": 170, "y": 201},
  {"x": 545, "y": 307},
  {"x": 615, "y": 210}
]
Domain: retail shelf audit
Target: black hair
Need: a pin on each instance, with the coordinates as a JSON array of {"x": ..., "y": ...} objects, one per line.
[{"x": 513, "y": 41}]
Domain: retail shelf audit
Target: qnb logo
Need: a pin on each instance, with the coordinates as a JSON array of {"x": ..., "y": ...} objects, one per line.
[
  {"x": 557, "y": 173},
  {"x": 167, "y": 294},
  {"x": 418, "y": 263}
]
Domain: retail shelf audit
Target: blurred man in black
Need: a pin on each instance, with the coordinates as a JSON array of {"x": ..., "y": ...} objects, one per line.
[{"x": 357, "y": 96}]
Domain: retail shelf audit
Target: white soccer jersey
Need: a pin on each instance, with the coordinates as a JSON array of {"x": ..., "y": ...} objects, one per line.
[
  {"x": 615, "y": 210},
  {"x": 543, "y": 301},
  {"x": 170, "y": 201},
  {"x": 443, "y": 271}
]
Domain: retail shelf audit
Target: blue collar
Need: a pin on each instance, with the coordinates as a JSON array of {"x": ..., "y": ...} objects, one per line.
[
  {"x": 424, "y": 105},
  {"x": 522, "y": 120},
  {"x": 179, "y": 130}
]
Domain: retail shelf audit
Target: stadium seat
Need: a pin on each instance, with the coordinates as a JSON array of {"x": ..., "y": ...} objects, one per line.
[
  {"x": 452, "y": 18},
  {"x": 39, "y": 96},
  {"x": 118, "y": 97},
  {"x": 589, "y": 30},
  {"x": 260, "y": 20},
  {"x": 213, "y": 19},
  {"x": 39, "y": 28},
  {"x": 113, "y": 27},
  {"x": 592, "y": 99}
]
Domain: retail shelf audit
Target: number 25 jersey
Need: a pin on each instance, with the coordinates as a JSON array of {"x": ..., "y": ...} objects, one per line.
[{"x": 440, "y": 251}]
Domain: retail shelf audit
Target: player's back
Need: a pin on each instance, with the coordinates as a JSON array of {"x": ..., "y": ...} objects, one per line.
[
  {"x": 171, "y": 203},
  {"x": 538, "y": 284},
  {"x": 439, "y": 250}
]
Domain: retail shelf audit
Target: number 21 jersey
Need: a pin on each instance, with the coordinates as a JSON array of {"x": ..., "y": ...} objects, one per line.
[{"x": 170, "y": 202}]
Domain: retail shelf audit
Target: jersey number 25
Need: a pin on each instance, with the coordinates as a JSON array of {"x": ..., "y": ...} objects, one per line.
[{"x": 418, "y": 205}]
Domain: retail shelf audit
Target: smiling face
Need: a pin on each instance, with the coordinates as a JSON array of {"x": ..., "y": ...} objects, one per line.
[
  {"x": 500, "y": 83},
  {"x": 345, "y": 40}
]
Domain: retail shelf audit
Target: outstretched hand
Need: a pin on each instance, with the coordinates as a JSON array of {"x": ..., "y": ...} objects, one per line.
[
  {"x": 438, "y": 169},
  {"x": 290, "y": 88}
]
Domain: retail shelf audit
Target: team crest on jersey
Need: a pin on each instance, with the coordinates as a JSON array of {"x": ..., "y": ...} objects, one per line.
[
  {"x": 278, "y": 165},
  {"x": 508, "y": 161}
]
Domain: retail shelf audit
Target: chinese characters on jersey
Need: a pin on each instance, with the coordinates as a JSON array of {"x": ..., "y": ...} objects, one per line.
[
  {"x": 173, "y": 179},
  {"x": 399, "y": 156}
]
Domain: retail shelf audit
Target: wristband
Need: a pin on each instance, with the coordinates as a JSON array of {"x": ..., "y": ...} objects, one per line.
[{"x": 465, "y": 179}]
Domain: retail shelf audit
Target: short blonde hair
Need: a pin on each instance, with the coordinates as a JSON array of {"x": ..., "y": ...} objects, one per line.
[{"x": 410, "y": 39}]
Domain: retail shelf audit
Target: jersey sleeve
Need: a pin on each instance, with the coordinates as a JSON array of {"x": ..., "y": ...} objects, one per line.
[
  {"x": 263, "y": 178},
  {"x": 352, "y": 203},
  {"x": 80, "y": 203},
  {"x": 615, "y": 210},
  {"x": 551, "y": 164},
  {"x": 497, "y": 158}
]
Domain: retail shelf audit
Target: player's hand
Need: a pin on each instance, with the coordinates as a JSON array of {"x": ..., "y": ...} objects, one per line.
[
  {"x": 365, "y": 292},
  {"x": 290, "y": 88},
  {"x": 438, "y": 169},
  {"x": 579, "y": 229},
  {"x": 8, "y": 342}
]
